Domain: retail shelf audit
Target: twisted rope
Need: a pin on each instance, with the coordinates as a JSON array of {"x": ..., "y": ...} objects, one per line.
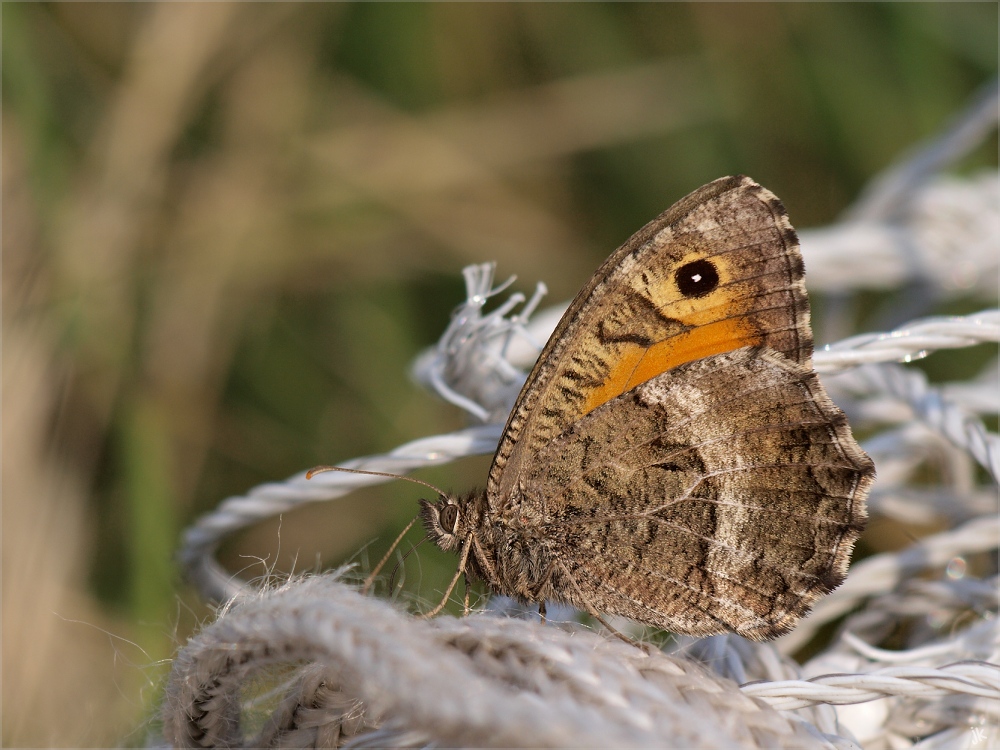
[
  {"x": 933, "y": 407},
  {"x": 914, "y": 340},
  {"x": 972, "y": 678}
]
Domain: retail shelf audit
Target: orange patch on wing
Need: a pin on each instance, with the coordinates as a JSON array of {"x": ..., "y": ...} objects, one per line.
[
  {"x": 639, "y": 365},
  {"x": 617, "y": 379}
]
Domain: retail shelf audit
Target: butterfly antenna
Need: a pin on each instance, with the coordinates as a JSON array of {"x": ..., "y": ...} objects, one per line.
[
  {"x": 321, "y": 469},
  {"x": 410, "y": 551},
  {"x": 454, "y": 580}
]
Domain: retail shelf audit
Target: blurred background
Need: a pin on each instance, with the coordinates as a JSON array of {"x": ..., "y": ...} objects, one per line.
[{"x": 229, "y": 228}]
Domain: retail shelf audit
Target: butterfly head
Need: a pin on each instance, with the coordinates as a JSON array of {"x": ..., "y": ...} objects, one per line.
[{"x": 443, "y": 522}]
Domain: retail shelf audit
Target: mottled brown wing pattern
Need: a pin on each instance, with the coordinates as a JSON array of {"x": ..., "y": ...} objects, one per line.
[
  {"x": 661, "y": 510},
  {"x": 718, "y": 271}
]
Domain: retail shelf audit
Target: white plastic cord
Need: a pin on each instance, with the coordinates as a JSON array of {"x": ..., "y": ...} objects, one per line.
[
  {"x": 978, "y": 679},
  {"x": 909, "y": 342}
]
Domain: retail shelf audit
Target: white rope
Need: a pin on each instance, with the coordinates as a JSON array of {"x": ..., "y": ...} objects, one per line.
[
  {"x": 470, "y": 367},
  {"x": 912, "y": 224},
  {"x": 946, "y": 240},
  {"x": 912, "y": 341},
  {"x": 269, "y": 499},
  {"x": 478, "y": 681},
  {"x": 980, "y": 639},
  {"x": 746, "y": 662},
  {"x": 891, "y": 192},
  {"x": 978, "y": 679}
]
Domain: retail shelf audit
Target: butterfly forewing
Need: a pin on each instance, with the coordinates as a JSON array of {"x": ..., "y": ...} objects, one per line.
[{"x": 718, "y": 271}]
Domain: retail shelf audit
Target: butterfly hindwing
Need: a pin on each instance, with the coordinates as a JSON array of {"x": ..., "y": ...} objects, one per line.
[{"x": 664, "y": 512}]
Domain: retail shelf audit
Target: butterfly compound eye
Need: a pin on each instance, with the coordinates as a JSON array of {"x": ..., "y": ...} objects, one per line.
[
  {"x": 449, "y": 518},
  {"x": 697, "y": 278}
]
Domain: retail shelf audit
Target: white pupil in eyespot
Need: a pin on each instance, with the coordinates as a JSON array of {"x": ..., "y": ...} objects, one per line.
[{"x": 696, "y": 278}]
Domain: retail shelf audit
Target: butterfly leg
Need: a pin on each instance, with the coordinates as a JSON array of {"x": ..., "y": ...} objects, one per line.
[
  {"x": 465, "y": 602},
  {"x": 466, "y": 548},
  {"x": 483, "y": 560},
  {"x": 538, "y": 590}
]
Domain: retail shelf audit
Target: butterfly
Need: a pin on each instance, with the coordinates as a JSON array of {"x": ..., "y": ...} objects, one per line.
[{"x": 672, "y": 456}]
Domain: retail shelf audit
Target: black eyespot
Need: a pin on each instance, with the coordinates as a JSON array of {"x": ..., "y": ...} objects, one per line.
[
  {"x": 697, "y": 278},
  {"x": 449, "y": 518}
]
